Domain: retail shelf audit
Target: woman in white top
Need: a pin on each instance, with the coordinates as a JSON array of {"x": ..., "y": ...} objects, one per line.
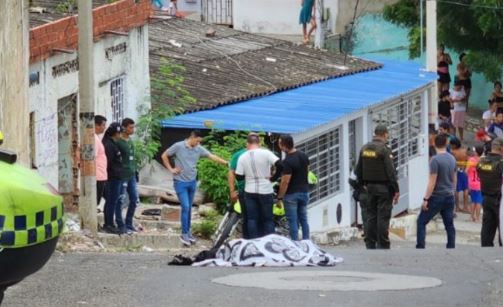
[{"x": 458, "y": 97}]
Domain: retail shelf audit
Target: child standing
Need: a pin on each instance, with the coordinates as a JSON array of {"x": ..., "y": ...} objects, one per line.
[{"x": 474, "y": 181}]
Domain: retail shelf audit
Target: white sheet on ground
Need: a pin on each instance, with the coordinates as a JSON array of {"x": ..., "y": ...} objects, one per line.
[{"x": 271, "y": 251}]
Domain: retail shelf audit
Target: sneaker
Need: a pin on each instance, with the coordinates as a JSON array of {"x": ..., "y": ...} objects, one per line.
[
  {"x": 191, "y": 238},
  {"x": 184, "y": 238},
  {"x": 110, "y": 229},
  {"x": 122, "y": 230},
  {"x": 131, "y": 228}
]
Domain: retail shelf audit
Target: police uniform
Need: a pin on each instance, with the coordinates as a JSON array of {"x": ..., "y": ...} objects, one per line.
[
  {"x": 490, "y": 170},
  {"x": 375, "y": 171},
  {"x": 31, "y": 219}
]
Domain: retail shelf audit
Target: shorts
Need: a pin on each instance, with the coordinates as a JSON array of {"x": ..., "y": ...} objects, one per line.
[
  {"x": 476, "y": 196},
  {"x": 467, "y": 83},
  {"x": 444, "y": 77},
  {"x": 462, "y": 184}
]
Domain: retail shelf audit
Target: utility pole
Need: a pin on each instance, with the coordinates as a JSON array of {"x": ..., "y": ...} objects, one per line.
[
  {"x": 87, "y": 200},
  {"x": 319, "y": 35},
  {"x": 431, "y": 56},
  {"x": 421, "y": 26},
  {"x": 14, "y": 57}
]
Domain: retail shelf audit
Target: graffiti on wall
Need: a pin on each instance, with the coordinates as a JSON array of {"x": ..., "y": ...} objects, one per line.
[
  {"x": 65, "y": 68},
  {"x": 114, "y": 50},
  {"x": 47, "y": 136}
]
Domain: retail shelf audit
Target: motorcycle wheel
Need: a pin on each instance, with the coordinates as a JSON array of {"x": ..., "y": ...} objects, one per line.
[{"x": 226, "y": 229}]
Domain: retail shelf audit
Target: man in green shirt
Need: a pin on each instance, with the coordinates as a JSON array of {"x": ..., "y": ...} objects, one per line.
[
  {"x": 129, "y": 184},
  {"x": 239, "y": 193}
]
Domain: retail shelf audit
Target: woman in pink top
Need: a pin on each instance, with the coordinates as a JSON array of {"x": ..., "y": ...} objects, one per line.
[
  {"x": 100, "y": 124},
  {"x": 474, "y": 181}
]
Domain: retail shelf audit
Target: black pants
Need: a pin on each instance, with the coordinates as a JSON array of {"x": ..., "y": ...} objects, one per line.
[
  {"x": 244, "y": 216},
  {"x": 379, "y": 206},
  {"x": 100, "y": 191},
  {"x": 18, "y": 263},
  {"x": 490, "y": 219},
  {"x": 363, "y": 199}
]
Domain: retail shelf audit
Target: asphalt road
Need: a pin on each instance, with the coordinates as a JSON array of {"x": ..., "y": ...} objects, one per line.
[{"x": 471, "y": 276}]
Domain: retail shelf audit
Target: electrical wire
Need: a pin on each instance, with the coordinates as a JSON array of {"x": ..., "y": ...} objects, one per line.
[
  {"x": 351, "y": 30},
  {"x": 471, "y": 5}
]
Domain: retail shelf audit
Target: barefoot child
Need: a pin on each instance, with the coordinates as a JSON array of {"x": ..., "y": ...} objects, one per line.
[
  {"x": 474, "y": 181},
  {"x": 462, "y": 180}
]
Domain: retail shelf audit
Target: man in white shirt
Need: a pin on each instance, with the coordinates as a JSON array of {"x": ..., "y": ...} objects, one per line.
[{"x": 254, "y": 166}]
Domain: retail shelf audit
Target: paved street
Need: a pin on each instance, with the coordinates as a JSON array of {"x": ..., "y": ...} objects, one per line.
[{"x": 470, "y": 276}]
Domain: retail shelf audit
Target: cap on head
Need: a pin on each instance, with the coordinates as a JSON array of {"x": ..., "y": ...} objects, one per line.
[
  {"x": 499, "y": 111},
  {"x": 381, "y": 130}
]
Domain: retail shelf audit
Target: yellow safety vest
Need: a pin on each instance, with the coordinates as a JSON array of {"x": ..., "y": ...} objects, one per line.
[{"x": 29, "y": 212}]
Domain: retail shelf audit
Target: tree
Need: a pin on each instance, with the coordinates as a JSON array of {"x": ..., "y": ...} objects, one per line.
[{"x": 471, "y": 26}]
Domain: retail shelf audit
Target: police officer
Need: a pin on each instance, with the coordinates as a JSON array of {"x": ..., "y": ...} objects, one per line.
[
  {"x": 490, "y": 170},
  {"x": 376, "y": 172}
]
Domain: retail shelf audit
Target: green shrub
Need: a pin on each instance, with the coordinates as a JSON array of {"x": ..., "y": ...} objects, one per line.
[
  {"x": 168, "y": 98},
  {"x": 213, "y": 176},
  {"x": 205, "y": 229}
]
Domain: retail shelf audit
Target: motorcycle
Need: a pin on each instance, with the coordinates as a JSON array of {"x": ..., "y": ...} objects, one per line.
[{"x": 233, "y": 218}]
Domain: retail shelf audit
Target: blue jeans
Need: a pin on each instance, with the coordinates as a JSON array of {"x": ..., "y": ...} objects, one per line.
[
  {"x": 113, "y": 192},
  {"x": 260, "y": 217},
  {"x": 296, "y": 213},
  {"x": 436, "y": 204},
  {"x": 185, "y": 192},
  {"x": 129, "y": 187}
]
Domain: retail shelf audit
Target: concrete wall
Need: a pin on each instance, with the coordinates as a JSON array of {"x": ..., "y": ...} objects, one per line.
[
  {"x": 14, "y": 118},
  {"x": 324, "y": 215},
  {"x": 44, "y": 96},
  {"x": 273, "y": 17},
  {"x": 346, "y": 10}
]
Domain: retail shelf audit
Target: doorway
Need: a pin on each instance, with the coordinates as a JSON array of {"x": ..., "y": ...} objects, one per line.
[{"x": 68, "y": 165}]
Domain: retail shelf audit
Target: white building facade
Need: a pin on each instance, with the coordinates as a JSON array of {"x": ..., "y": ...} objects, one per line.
[{"x": 122, "y": 85}]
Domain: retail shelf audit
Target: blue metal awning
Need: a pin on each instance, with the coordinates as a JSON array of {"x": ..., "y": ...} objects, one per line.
[{"x": 310, "y": 106}]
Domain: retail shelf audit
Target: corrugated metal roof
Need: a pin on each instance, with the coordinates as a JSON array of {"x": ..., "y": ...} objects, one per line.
[
  {"x": 310, "y": 106},
  {"x": 235, "y": 66}
]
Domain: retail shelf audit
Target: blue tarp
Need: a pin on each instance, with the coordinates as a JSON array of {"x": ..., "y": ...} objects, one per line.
[{"x": 307, "y": 107}]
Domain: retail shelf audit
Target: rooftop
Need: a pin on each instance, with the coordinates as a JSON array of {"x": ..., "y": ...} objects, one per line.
[
  {"x": 314, "y": 105},
  {"x": 235, "y": 66}
]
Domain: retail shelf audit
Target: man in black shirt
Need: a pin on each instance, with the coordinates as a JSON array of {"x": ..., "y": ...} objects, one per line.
[{"x": 294, "y": 187}]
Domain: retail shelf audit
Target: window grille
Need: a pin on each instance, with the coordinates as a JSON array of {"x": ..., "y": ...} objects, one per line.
[
  {"x": 324, "y": 152},
  {"x": 117, "y": 95},
  {"x": 403, "y": 120}
]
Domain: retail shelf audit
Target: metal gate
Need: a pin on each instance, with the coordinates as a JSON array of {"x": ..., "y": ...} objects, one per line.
[{"x": 217, "y": 11}]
